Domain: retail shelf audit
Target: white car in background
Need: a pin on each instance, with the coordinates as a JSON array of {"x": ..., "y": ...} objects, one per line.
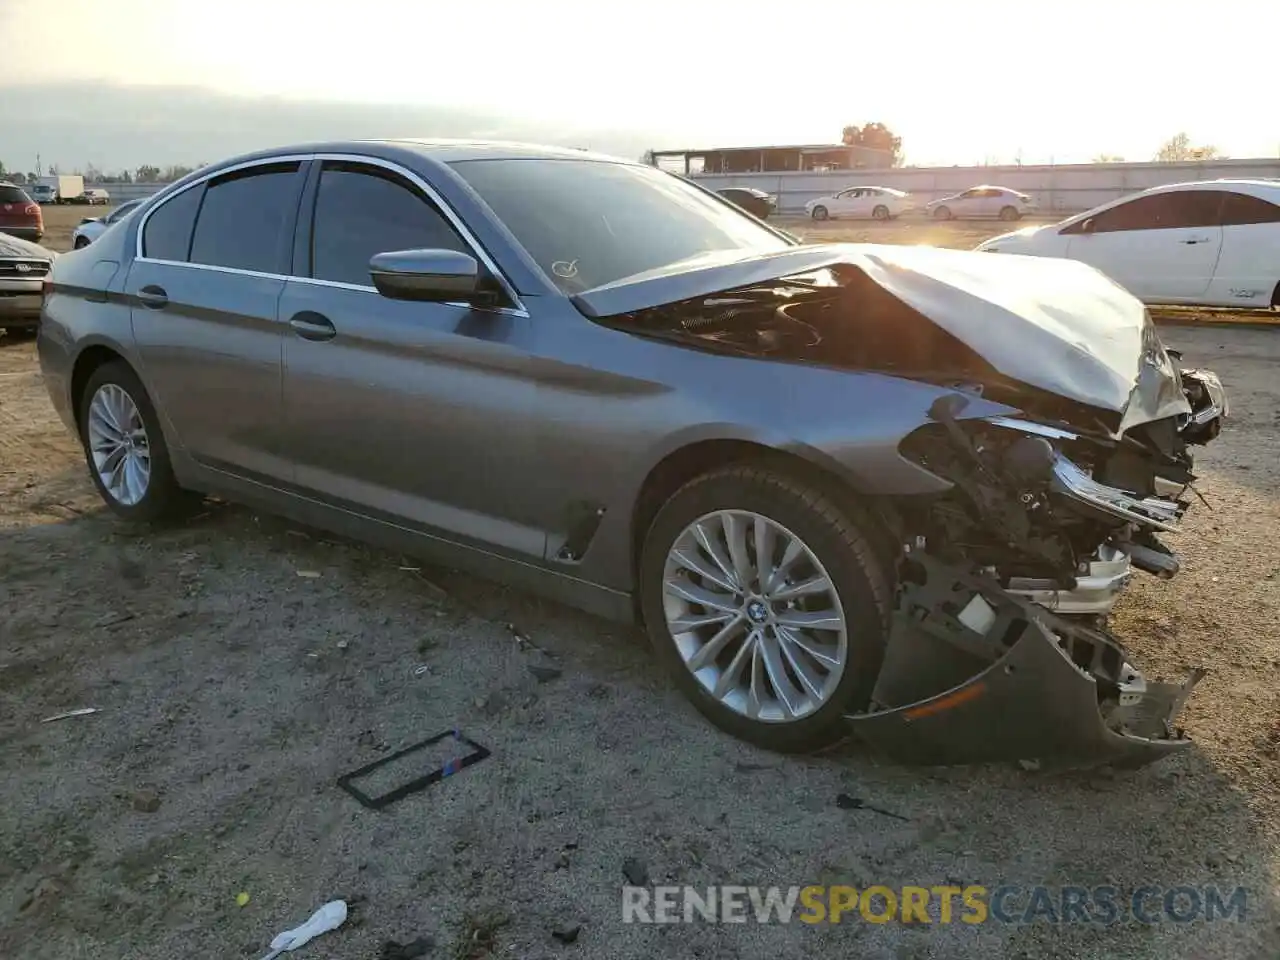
[
  {"x": 982, "y": 202},
  {"x": 91, "y": 227},
  {"x": 1213, "y": 243},
  {"x": 879, "y": 203}
]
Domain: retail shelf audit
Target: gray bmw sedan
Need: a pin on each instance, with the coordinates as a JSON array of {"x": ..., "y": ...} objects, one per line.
[{"x": 847, "y": 489}]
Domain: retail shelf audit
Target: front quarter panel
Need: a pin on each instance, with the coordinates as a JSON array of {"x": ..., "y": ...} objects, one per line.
[{"x": 615, "y": 405}]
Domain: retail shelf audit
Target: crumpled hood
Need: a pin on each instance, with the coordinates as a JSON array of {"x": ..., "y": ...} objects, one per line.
[
  {"x": 1057, "y": 325},
  {"x": 11, "y": 246}
]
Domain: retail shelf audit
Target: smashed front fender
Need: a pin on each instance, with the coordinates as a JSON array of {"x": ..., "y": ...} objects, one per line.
[{"x": 974, "y": 674}]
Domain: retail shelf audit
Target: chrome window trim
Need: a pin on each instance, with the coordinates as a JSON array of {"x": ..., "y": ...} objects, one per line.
[{"x": 431, "y": 193}]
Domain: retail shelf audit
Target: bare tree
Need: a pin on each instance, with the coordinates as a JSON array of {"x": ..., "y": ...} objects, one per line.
[{"x": 1179, "y": 149}]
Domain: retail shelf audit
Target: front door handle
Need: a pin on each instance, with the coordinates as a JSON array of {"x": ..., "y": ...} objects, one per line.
[
  {"x": 153, "y": 297},
  {"x": 310, "y": 325},
  {"x": 1195, "y": 240}
]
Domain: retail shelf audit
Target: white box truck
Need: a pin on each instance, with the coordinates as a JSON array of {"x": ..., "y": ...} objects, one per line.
[{"x": 58, "y": 189}]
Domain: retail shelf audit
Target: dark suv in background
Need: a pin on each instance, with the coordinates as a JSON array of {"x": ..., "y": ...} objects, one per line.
[{"x": 20, "y": 216}]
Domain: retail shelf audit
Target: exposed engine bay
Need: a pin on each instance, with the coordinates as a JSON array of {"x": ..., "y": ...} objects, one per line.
[{"x": 998, "y": 647}]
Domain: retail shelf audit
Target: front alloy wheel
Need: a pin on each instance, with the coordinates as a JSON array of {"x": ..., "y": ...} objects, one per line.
[
  {"x": 766, "y": 602},
  {"x": 755, "y": 616}
]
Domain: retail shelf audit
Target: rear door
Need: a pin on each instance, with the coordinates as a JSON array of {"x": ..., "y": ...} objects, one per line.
[
  {"x": 420, "y": 413},
  {"x": 204, "y": 295},
  {"x": 1162, "y": 247},
  {"x": 1248, "y": 271}
]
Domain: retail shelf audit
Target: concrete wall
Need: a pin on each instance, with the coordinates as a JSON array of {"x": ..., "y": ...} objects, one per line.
[{"x": 1064, "y": 189}]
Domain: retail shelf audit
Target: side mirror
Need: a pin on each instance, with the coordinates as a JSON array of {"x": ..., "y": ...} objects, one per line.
[{"x": 431, "y": 275}]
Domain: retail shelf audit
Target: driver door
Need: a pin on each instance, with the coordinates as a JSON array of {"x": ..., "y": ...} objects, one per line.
[
  {"x": 1162, "y": 247},
  {"x": 413, "y": 411}
]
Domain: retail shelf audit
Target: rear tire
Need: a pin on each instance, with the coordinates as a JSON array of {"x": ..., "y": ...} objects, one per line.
[
  {"x": 1010, "y": 213},
  {"x": 841, "y": 572},
  {"x": 820, "y": 213},
  {"x": 881, "y": 212},
  {"x": 118, "y": 424},
  {"x": 942, "y": 213}
]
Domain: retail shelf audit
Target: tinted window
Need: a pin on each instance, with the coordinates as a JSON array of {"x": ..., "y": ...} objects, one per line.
[
  {"x": 1160, "y": 211},
  {"x": 244, "y": 217},
  {"x": 1240, "y": 208},
  {"x": 13, "y": 195},
  {"x": 167, "y": 235},
  {"x": 589, "y": 222},
  {"x": 362, "y": 211}
]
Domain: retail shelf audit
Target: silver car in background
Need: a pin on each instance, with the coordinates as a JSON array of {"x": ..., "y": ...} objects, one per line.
[
  {"x": 90, "y": 228},
  {"x": 847, "y": 489},
  {"x": 983, "y": 202}
]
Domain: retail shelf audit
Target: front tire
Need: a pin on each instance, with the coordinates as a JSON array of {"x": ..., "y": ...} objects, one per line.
[
  {"x": 767, "y": 604},
  {"x": 1010, "y": 214},
  {"x": 125, "y": 449},
  {"x": 881, "y": 212},
  {"x": 942, "y": 213},
  {"x": 820, "y": 213}
]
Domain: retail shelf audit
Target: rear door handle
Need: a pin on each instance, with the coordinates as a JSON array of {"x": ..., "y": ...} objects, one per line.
[
  {"x": 1195, "y": 240},
  {"x": 310, "y": 325},
  {"x": 153, "y": 297}
]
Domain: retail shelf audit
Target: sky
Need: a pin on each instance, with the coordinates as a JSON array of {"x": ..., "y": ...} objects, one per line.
[{"x": 984, "y": 81}]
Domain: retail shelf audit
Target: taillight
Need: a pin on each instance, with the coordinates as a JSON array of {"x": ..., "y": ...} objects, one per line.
[{"x": 31, "y": 209}]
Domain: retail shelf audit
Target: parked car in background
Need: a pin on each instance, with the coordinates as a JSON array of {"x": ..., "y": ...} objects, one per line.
[
  {"x": 982, "y": 202},
  {"x": 90, "y": 228},
  {"x": 1209, "y": 243},
  {"x": 65, "y": 188},
  {"x": 20, "y": 216},
  {"x": 23, "y": 268},
  {"x": 590, "y": 377},
  {"x": 755, "y": 202},
  {"x": 879, "y": 203},
  {"x": 96, "y": 197}
]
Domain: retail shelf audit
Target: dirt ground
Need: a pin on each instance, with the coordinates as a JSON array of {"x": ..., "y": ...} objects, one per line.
[{"x": 232, "y": 692}]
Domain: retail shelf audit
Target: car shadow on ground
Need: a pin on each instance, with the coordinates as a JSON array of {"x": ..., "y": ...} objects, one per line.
[{"x": 239, "y": 665}]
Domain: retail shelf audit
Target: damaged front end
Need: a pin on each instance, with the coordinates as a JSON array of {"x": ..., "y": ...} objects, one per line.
[{"x": 998, "y": 648}]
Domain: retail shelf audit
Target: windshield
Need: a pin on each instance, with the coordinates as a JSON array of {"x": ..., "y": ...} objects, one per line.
[{"x": 589, "y": 222}]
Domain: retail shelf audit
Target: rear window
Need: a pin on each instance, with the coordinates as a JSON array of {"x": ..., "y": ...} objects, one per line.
[{"x": 13, "y": 195}]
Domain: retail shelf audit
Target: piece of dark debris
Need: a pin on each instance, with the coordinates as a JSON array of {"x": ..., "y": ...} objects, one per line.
[{"x": 566, "y": 932}]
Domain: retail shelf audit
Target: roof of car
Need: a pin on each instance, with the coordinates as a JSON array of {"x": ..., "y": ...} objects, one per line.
[{"x": 1241, "y": 183}]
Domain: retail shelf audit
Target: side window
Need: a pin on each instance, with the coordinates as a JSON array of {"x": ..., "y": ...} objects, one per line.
[
  {"x": 244, "y": 216},
  {"x": 167, "y": 235},
  {"x": 1240, "y": 208},
  {"x": 1162, "y": 211},
  {"x": 361, "y": 211}
]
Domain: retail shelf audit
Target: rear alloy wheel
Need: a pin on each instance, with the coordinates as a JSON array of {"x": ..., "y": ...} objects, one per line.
[
  {"x": 942, "y": 213},
  {"x": 125, "y": 449},
  {"x": 820, "y": 212},
  {"x": 881, "y": 212},
  {"x": 766, "y": 604},
  {"x": 1009, "y": 213}
]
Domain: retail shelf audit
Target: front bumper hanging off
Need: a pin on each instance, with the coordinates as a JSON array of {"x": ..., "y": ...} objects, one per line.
[{"x": 973, "y": 673}]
